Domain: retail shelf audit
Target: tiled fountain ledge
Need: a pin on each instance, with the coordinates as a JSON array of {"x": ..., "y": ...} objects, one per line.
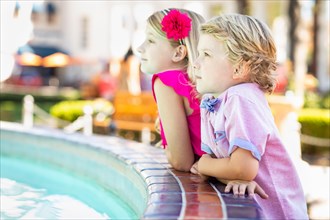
[{"x": 170, "y": 194}]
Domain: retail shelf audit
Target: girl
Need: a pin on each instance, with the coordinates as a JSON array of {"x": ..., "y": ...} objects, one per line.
[
  {"x": 168, "y": 52},
  {"x": 236, "y": 58}
]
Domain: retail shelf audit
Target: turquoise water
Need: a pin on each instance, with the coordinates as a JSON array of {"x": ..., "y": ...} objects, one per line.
[{"x": 37, "y": 191}]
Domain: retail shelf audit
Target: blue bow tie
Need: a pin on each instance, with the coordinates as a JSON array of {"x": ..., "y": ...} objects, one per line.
[{"x": 209, "y": 103}]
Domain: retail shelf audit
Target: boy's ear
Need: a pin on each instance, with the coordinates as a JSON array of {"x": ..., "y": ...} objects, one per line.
[
  {"x": 240, "y": 71},
  {"x": 237, "y": 74},
  {"x": 179, "y": 54}
]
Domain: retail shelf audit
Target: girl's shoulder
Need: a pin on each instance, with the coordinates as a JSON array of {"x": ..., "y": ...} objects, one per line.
[
  {"x": 176, "y": 79},
  {"x": 179, "y": 81},
  {"x": 172, "y": 77}
]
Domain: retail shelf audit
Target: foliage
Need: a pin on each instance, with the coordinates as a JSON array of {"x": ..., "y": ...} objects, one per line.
[
  {"x": 71, "y": 110},
  {"x": 11, "y": 101},
  {"x": 315, "y": 122},
  {"x": 63, "y": 94},
  {"x": 325, "y": 103},
  {"x": 12, "y": 110},
  {"x": 315, "y": 100}
]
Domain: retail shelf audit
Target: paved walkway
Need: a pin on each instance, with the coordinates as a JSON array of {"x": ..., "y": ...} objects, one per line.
[{"x": 315, "y": 181}]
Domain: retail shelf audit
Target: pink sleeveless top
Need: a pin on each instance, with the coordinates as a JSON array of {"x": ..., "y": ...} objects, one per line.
[{"x": 179, "y": 81}]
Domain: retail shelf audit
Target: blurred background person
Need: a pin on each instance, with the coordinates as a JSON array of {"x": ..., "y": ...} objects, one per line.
[{"x": 106, "y": 84}]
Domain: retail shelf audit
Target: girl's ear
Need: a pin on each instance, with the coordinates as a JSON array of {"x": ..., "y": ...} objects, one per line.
[{"x": 179, "y": 54}]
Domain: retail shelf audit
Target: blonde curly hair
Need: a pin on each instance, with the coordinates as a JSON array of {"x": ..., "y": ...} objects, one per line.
[{"x": 249, "y": 44}]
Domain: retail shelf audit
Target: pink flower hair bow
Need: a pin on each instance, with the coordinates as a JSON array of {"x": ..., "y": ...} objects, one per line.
[{"x": 176, "y": 25}]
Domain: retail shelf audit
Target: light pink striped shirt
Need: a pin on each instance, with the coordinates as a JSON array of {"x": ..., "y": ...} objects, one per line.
[{"x": 241, "y": 117}]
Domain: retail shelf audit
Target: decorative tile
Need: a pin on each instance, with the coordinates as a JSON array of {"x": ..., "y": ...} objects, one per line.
[
  {"x": 165, "y": 198},
  {"x": 198, "y": 188},
  {"x": 161, "y": 160},
  {"x": 148, "y": 166},
  {"x": 167, "y": 165},
  {"x": 161, "y": 217},
  {"x": 219, "y": 186},
  {"x": 192, "y": 179},
  {"x": 159, "y": 211},
  {"x": 164, "y": 187},
  {"x": 131, "y": 156},
  {"x": 232, "y": 200},
  {"x": 140, "y": 160},
  {"x": 180, "y": 173},
  {"x": 246, "y": 212},
  {"x": 160, "y": 179},
  {"x": 212, "y": 198},
  {"x": 148, "y": 173},
  {"x": 158, "y": 156},
  {"x": 203, "y": 210}
]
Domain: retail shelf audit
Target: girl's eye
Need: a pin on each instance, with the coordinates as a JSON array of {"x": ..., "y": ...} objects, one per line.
[
  {"x": 206, "y": 54},
  {"x": 150, "y": 41}
]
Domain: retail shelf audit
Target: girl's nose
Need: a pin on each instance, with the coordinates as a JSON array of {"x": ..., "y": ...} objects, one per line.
[
  {"x": 196, "y": 64},
  {"x": 140, "y": 48}
]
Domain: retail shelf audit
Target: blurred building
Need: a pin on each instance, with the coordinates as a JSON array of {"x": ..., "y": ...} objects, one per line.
[{"x": 91, "y": 31}]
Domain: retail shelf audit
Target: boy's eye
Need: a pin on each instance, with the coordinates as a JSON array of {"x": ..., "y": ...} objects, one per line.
[
  {"x": 150, "y": 41},
  {"x": 206, "y": 54}
]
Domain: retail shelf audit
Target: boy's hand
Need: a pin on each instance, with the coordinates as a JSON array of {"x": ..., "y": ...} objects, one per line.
[
  {"x": 207, "y": 155},
  {"x": 239, "y": 188},
  {"x": 194, "y": 170}
]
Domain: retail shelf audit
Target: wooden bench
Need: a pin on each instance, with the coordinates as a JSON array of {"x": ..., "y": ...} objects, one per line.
[{"x": 134, "y": 112}]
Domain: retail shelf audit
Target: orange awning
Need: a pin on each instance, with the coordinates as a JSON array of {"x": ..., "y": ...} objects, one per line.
[
  {"x": 56, "y": 60},
  {"x": 29, "y": 59}
]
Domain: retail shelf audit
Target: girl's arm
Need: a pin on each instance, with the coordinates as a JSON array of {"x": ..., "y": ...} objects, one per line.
[
  {"x": 172, "y": 113},
  {"x": 241, "y": 165}
]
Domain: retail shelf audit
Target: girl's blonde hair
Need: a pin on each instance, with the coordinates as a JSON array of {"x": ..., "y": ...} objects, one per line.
[
  {"x": 249, "y": 44},
  {"x": 154, "y": 21}
]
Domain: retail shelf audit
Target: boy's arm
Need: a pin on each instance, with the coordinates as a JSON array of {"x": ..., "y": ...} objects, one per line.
[
  {"x": 172, "y": 112},
  {"x": 240, "y": 165},
  {"x": 239, "y": 187}
]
